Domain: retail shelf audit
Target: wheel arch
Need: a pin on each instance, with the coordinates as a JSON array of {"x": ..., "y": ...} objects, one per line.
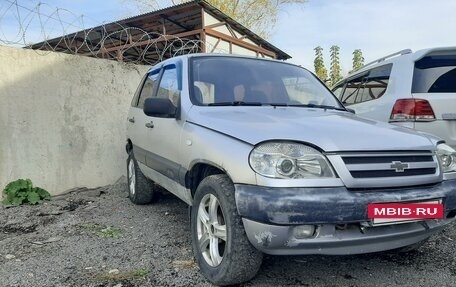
[{"x": 199, "y": 170}]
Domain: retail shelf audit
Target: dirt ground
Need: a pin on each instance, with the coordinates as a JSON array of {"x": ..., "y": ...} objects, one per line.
[{"x": 98, "y": 238}]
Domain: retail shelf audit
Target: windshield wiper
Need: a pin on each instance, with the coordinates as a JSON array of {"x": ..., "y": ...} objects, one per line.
[
  {"x": 279, "y": 104},
  {"x": 318, "y": 107},
  {"x": 236, "y": 103}
]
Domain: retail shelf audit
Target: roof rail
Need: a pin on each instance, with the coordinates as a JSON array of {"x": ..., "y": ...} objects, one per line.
[{"x": 400, "y": 53}]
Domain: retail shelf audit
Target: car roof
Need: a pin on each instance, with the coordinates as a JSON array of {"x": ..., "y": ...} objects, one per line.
[
  {"x": 424, "y": 52},
  {"x": 414, "y": 56},
  {"x": 194, "y": 55}
]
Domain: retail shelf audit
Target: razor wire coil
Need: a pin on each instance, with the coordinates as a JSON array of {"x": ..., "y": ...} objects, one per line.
[{"x": 23, "y": 26}]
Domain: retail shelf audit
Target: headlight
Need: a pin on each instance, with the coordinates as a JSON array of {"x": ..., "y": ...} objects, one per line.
[
  {"x": 289, "y": 160},
  {"x": 447, "y": 157}
]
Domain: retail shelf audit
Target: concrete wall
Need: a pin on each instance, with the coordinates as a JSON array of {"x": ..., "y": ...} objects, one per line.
[{"x": 63, "y": 118}]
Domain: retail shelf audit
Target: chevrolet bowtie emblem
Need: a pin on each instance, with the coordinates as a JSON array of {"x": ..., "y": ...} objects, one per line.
[{"x": 398, "y": 166}]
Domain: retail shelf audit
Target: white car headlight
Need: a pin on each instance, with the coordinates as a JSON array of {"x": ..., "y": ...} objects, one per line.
[
  {"x": 289, "y": 160},
  {"x": 447, "y": 156}
]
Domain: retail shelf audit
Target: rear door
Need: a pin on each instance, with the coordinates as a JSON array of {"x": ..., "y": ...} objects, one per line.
[{"x": 434, "y": 80}]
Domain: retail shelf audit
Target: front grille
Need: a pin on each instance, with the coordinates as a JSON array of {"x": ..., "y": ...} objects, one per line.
[
  {"x": 386, "y": 169},
  {"x": 378, "y": 165},
  {"x": 386, "y": 159},
  {"x": 391, "y": 173}
]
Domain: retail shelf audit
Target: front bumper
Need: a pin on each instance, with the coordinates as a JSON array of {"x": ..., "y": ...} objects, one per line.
[
  {"x": 340, "y": 217},
  {"x": 330, "y": 240}
]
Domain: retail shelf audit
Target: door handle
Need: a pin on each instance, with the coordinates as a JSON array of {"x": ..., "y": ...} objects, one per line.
[
  {"x": 150, "y": 125},
  {"x": 131, "y": 120}
]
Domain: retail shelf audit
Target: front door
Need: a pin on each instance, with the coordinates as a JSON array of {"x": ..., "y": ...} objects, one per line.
[{"x": 162, "y": 136}]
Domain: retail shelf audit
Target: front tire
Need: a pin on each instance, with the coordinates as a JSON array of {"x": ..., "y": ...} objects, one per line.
[
  {"x": 140, "y": 189},
  {"x": 220, "y": 245}
]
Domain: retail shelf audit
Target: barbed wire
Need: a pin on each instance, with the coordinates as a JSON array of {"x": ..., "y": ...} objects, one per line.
[{"x": 60, "y": 30}]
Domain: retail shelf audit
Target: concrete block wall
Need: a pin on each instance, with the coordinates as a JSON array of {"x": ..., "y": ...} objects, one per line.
[{"x": 63, "y": 118}]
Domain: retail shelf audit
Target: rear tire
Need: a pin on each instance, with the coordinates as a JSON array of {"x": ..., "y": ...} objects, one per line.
[
  {"x": 220, "y": 245},
  {"x": 140, "y": 188}
]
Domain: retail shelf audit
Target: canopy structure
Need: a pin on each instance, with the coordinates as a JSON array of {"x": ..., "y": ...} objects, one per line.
[{"x": 191, "y": 27}]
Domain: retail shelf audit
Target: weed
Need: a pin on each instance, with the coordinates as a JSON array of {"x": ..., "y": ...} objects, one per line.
[
  {"x": 103, "y": 231},
  {"x": 22, "y": 191}
]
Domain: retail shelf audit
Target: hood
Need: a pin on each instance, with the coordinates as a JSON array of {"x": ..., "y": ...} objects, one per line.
[{"x": 329, "y": 130}]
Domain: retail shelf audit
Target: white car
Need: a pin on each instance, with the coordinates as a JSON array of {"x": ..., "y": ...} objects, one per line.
[{"x": 411, "y": 89}]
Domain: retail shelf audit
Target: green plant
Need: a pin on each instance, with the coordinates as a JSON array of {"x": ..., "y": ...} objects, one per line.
[
  {"x": 22, "y": 191},
  {"x": 102, "y": 230}
]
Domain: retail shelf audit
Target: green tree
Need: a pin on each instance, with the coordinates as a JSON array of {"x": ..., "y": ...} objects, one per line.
[
  {"x": 335, "y": 71},
  {"x": 319, "y": 64},
  {"x": 259, "y": 16},
  {"x": 358, "y": 59}
]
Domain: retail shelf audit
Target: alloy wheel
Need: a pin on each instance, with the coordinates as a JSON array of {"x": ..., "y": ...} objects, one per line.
[
  {"x": 131, "y": 177},
  {"x": 211, "y": 230}
]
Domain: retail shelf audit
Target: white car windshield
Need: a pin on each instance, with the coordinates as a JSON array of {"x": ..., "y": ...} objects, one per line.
[{"x": 218, "y": 81}]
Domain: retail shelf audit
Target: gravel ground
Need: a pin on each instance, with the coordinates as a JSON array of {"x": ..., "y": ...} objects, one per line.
[{"x": 88, "y": 239}]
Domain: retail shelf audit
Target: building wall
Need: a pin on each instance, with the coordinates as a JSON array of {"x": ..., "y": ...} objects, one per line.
[{"x": 63, "y": 118}]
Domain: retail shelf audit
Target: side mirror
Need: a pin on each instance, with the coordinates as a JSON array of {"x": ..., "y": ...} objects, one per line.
[{"x": 159, "y": 107}]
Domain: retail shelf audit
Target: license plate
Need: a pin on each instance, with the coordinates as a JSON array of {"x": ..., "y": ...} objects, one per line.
[{"x": 404, "y": 212}]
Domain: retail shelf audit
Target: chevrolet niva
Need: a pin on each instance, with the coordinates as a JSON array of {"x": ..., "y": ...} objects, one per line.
[{"x": 270, "y": 161}]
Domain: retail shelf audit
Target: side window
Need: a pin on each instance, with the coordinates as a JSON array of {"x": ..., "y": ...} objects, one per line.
[
  {"x": 337, "y": 91},
  {"x": 148, "y": 87},
  {"x": 367, "y": 87},
  {"x": 134, "y": 101},
  {"x": 351, "y": 91},
  {"x": 376, "y": 83},
  {"x": 169, "y": 85}
]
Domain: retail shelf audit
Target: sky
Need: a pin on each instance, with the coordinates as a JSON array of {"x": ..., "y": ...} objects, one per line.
[{"x": 377, "y": 27}]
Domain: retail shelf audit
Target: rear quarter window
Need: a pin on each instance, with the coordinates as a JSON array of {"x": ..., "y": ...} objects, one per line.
[{"x": 435, "y": 74}]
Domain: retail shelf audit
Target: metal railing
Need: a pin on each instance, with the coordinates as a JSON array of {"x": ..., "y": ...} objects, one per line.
[{"x": 399, "y": 53}]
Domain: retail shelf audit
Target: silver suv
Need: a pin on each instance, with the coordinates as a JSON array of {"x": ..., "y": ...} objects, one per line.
[
  {"x": 411, "y": 89},
  {"x": 271, "y": 162}
]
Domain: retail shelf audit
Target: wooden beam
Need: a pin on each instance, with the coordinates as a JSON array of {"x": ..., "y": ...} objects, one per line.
[
  {"x": 215, "y": 25},
  {"x": 120, "y": 57},
  {"x": 202, "y": 34},
  {"x": 215, "y": 46},
  {"x": 231, "y": 31},
  {"x": 175, "y": 22},
  {"x": 238, "y": 42}
]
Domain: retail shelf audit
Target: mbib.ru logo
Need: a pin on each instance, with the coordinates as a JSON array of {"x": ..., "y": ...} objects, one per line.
[{"x": 405, "y": 210}]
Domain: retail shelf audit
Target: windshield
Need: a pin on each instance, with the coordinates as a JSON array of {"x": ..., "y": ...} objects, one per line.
[{"x": 218, "y": 81}]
